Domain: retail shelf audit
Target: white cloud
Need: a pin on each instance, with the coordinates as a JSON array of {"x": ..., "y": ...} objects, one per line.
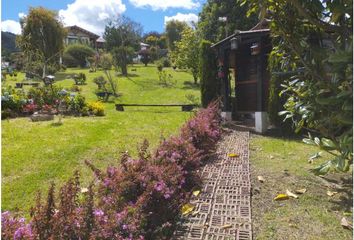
[
  {"x": 188, "y": 18},
  {"x": 11, "y": 26},
  {"x": 164, "y": 4},
  {"x": 92, "y": 15},
  {"x": 21, "y": 15}
]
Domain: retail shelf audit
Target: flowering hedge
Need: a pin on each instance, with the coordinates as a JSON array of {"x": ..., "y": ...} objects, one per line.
[{"x": 140, "y": 198}]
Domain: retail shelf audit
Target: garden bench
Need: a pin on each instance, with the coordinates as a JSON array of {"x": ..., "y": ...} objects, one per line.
[
  {"x": 21, "y": 84},
  {"x": 185, "y": 107}
]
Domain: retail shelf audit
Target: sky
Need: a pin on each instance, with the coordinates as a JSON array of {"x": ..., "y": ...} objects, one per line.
[{"x": 93, "y": 15}]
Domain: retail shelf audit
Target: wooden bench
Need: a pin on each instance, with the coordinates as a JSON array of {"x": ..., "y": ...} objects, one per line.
[
  {"x": 21, "y": 84},
  {"x": 185, "y": 107}
]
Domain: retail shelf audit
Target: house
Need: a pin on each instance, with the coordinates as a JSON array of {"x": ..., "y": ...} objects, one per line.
[
  {"x": 77, "y": 34},
  {"x": 245, "y": 55}
]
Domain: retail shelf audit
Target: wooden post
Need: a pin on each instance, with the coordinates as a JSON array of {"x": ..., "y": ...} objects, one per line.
[{"x": 260, "y": 81}]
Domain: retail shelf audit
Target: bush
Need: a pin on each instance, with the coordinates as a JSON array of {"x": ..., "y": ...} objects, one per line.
[
  {"x": 101, "y": 82},
  {"x": 276, "y": 105},
  {"x": 209, "y": 84},
  {"x": 80, "y": 53},
  {"x": 97, "y": 108},
  {"x": 76, "y": 104},
  {"x": 80, "y": 79},
  {"x": 139, "y": 199},
  {"x": 12, "y": 100}
]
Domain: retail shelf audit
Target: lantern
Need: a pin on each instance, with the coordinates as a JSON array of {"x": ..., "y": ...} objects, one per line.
[{"x": 235, "y": 42}]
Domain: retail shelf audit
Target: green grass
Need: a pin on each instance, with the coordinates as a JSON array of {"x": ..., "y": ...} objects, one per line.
[
  {"x": 283, "y": 164},
  {"x": 36, "y": 153}
]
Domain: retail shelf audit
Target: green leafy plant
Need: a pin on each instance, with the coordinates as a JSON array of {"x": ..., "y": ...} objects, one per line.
[
  {"x": 97, "y": 108},
  {"x": 312, "y": 43}
]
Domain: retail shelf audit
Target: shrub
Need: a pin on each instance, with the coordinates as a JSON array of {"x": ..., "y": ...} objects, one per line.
[
  {"x": 97, "y": 108},
  {"x": 12, "y": 100},
  {"x": 138, "y": 199},
  {"x": 76, "y": 104},
  {"x": 80, "y": 53},
  {"x": 165, "y": 78},
  {"x": 101, "y": 82},
  {"x": 80, "y": 79}
]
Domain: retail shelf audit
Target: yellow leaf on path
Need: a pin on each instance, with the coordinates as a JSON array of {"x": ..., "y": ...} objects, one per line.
[
  {"x": 281, "y": 197},
  {"x": 232, "y": 155},
  {"x": 187, "y": 208},
  {"x": 344, "y": 222},
  {"x": 290, "y": 194},
  {"x": 226, "y": 226},
  {"x": 196, "y": 193},
  {"x": 301, "y": 191},
  {"x": 195, "y": 213},
  {"x": 261, "y": 179},
  {"x": 331, "y": 194}
]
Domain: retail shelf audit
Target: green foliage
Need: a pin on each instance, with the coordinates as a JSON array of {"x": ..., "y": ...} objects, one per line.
[
  {"x": 145, "y": 56},
  {"x": 122, "y": 39},
  {"x": 80, "y": 79},
  {"x": 186, "y": 53},
  {"x": 101, "y": 82},
  {"x": 12, "y": 100},
  {"x": 208, "y": 81},
  {"x": 313, "y": 41},
  {"x": 165, "y": 78},
  {"x": 42, "y": 36},
  {"x": 79, "y": 53},
  {"x": 76, "y": 104},
  {"x": 173, "y": 32},
  {"x": 212, "y": 29}
]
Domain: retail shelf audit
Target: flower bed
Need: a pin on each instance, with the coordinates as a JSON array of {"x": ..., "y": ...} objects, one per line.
[
  {"x": 138, "y": 199},
  {"x": 46, "y": 100}
]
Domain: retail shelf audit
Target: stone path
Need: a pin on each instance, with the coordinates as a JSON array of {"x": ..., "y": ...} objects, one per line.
[{"x": 223, "y": 207}]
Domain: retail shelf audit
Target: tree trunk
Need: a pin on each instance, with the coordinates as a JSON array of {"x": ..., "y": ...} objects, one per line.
[
  {"x": 124, "y": 69},
  {"x": 44, "y": 70}
]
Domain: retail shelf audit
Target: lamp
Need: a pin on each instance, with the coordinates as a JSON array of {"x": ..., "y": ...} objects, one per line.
[{"x": 235, "y": 42}]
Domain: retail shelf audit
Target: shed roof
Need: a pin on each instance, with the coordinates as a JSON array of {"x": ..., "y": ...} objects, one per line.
[{"x": 261, "y": 29}]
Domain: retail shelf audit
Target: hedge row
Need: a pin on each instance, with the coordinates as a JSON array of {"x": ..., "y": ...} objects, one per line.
[{"x": 140, "y": 198}]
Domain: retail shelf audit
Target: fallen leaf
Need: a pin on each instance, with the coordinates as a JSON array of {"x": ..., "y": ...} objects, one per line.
[
  {"x": 195, "y": 213},
  {"x": 232, "y": 155},
  {"x": 187, "y": 208},
  {"x": 226, "y": 226},
  {"x": 271, "y": 157},
  {"x": 261, "y": 179},
  {"x": 290, "y": 194},
  {"x": 196, "y": 193},
  {"x": 345, "y": 224},
  {"x": 331, "y": 194},
  {"x": 301, "y": 191},
  {"x": 281, "y": 196}
]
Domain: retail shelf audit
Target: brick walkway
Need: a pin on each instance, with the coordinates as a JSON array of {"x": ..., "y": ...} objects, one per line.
[{"x": 223, "y": 207}]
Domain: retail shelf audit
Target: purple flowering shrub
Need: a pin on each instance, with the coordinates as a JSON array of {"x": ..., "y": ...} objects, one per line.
[{"x": 140, "y": 198}]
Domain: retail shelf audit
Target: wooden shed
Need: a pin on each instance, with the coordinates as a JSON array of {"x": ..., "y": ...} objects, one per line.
[{"x": 242, "y": 70}]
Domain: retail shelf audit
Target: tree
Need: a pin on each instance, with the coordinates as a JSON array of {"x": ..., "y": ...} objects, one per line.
[
  {"x": 312, "y": 44},
  {"x": 42, "y": 36},
  {"x": 209, "y": 86},
  {"x": 186, "y": 53},
  {"x": 145, "y": 56},
  {"x": 214, "y": 29},
  {"x": 173, "y": 32},
  {"x": 122, "y": 38},
  {"x": 80, "y": 52},
  {"x": 106, "y": 62}
]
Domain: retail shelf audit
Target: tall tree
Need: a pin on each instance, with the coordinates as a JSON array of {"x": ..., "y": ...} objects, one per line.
[
  {"x": 42, "y": 36},
  {"x": 221, "y": 18},
  {"x": 312, "y": 44},
  {"x": 186, "y": 53},
  {"x": 122, "y": 38},
  {"x": 173, "y": 32}
]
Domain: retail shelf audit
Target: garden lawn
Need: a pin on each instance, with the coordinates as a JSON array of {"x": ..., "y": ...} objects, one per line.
[
  {"x": 37, "y": 153},
  {"x": 314, "y": 215}
]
